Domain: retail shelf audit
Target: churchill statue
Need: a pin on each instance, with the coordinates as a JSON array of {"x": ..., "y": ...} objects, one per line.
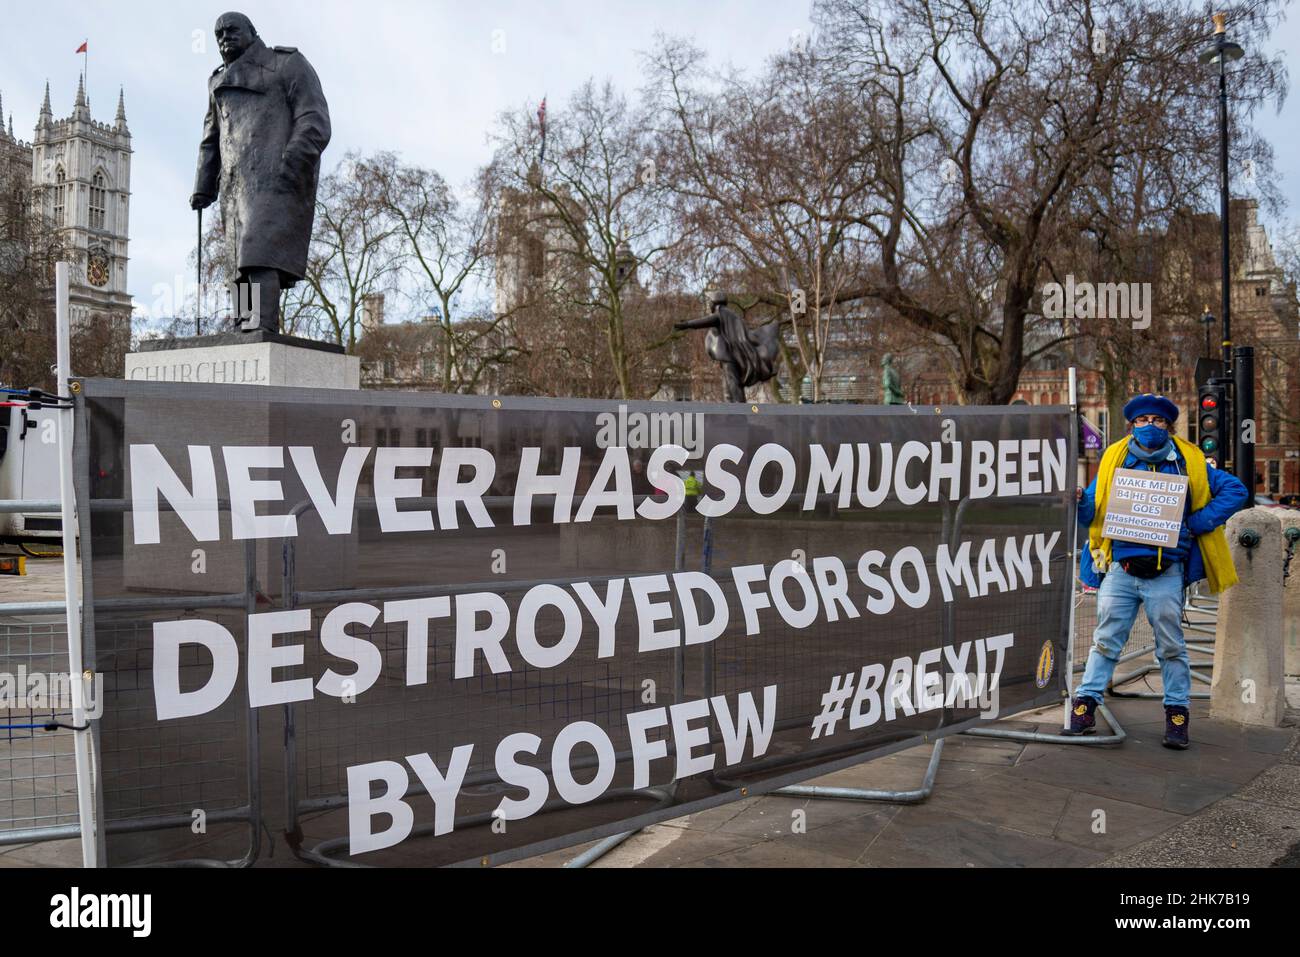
[{"x": 266, "y": 127}]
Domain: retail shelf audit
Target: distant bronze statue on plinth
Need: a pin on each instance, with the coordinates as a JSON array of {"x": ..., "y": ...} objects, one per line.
[
  {"x": 747, "y": 356},
  {"x": 266, "y": 127},
  {"x": 891, "y": 384}
]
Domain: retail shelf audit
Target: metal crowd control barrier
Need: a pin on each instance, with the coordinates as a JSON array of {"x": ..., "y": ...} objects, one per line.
[
  {"x": 322, "y": 853},
  {"x": 37, "y": 777},
  {"x": 951, "y": 533},
  {"x": 28, "y": 814},
  {"x": 244, "y": 601},
  {"x": 251, "y": 812},
  {"x": 1077, "y": 627},
  {"x": 1117, "y": 736},
  {"x": 915, "y": 796}
]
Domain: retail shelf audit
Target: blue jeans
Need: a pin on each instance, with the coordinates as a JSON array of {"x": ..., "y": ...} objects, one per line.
[{"x": 1117, "y": 608}]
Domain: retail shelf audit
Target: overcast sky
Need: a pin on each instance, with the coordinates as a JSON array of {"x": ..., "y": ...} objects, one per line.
[{"x": 424, "y": 78}]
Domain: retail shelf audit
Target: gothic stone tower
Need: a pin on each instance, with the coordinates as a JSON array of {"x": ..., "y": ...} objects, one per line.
[{"x": 81, "y": 173}]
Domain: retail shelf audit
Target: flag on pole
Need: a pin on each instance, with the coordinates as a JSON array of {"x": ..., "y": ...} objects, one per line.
[{"x": 84, "y": 49}]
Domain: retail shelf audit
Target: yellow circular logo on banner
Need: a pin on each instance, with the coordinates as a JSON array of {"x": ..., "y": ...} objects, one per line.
[{"x": 1046, "y": 665}]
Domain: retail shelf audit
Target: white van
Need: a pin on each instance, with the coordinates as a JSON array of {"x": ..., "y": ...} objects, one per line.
[{"x": 29, "y": 471}]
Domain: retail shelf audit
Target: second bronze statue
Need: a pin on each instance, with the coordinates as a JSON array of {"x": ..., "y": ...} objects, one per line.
[
  {"x": 747, "y": 356},
  {"x": 266, "y": 128}
]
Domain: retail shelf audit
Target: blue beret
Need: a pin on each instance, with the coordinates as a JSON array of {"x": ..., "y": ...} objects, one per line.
[{"x": 1148, "y": 404}]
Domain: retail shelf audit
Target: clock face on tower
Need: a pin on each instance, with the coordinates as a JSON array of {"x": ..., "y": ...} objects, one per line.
[{"x": 97, "y": 269}]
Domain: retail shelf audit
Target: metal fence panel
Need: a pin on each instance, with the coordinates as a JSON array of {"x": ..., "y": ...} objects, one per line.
[
  {"x": 38, "y": 780},
  {"x": 417, "y": 710}
]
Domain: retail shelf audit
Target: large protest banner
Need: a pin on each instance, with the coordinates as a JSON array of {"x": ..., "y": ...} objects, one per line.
[{"x": 421, "y": 629}]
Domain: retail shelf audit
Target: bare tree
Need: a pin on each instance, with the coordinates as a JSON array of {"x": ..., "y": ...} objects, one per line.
[
  {"x": 594, "y": 212},
  {"x": 1278, "y": 350},
  {"x": 769, "y": 176},
  {"x": 447, "y": 245},
  {"x": 992, "y": 122},
  {"x": 30, "y": 245},
  {"x": 356, "y": 252}
]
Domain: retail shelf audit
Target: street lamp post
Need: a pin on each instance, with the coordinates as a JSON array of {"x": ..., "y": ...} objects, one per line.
[
  {"x": 1223, "y": 51},
  {"x": 1220, "y": 54}
]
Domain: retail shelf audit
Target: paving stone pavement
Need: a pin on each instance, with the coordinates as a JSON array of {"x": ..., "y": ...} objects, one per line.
[
  {"x": 43, "y": 581},
  {"x": 1232, "y": 800}
]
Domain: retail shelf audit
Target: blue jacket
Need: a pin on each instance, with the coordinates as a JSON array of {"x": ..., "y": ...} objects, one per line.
[{"x": 1228, "y": 495}]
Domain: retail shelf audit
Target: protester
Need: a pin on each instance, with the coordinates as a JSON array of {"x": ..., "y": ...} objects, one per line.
[{"x": 1128, "y": 575}]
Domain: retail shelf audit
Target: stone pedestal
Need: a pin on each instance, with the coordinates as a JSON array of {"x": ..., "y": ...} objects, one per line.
[
  {"x": 1248, "y": 683},
  {"x": 239, "y": 359},
  {"x": 245, "y": 358}
]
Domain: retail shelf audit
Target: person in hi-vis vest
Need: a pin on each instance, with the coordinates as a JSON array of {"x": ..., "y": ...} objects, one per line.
[{"x": 1128, "y": 575}]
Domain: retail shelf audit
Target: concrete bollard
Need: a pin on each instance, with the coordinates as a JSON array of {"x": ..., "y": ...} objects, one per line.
[
  {"x": 1249, "y": 685},
  {"x": 1291, "y": 590}
]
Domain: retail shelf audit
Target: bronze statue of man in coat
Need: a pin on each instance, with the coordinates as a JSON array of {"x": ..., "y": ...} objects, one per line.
[{"x": 266, "y": 128}]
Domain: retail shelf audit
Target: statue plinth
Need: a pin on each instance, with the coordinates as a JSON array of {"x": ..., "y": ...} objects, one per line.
[
  {"x": 245, "y": 358},
  {"x": 237, "y": 338}
]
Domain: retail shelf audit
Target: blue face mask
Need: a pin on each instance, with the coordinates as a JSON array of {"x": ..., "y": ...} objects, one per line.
[{"x": 1151, "y": 436}]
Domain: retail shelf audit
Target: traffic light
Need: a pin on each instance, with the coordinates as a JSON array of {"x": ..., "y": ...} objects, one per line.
[{"x": 1214, "y": 425}]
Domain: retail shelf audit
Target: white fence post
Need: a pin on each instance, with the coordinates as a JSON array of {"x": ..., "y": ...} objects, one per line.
[
  {"x": 1073, "y": 557},
  {"x": 71, "y": 584}
]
